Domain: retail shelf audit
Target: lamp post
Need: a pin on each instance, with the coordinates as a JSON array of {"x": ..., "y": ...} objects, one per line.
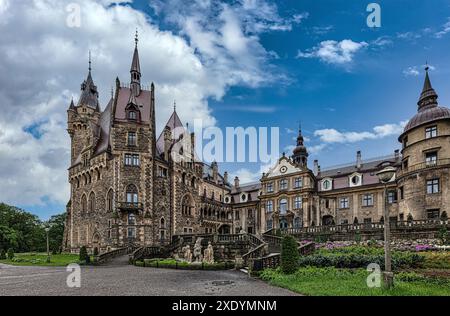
[
  {"x": 385, "y": 177},
  {"x": 48, "y": 245}
]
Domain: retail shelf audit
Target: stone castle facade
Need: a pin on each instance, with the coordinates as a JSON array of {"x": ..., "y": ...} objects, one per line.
[{"x": 129, "y": 186}]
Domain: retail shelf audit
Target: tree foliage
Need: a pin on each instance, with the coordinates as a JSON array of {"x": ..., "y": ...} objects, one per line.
[
  {"x": 289, "y": 255},
  {"x": 25, "y": 232}
]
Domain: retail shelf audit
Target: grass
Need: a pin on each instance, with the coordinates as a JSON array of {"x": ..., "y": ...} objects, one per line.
[
  {"x": 40, "y": 259},
  {"x": 345, "y": 282}
]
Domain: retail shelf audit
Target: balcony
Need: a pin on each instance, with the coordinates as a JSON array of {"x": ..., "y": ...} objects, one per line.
[
  {"x": 423, "y": 166},
  {"x": 129, "y": 206},
  {"x": 216, "y": 219}
]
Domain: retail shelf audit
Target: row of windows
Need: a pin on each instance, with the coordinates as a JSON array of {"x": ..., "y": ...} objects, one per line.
[
  {"x": 283, "y": 205},
  {"x": 283, "y": 184},
  {"x": 283, "y": 224},
  {"x": 433, "y": 187}
]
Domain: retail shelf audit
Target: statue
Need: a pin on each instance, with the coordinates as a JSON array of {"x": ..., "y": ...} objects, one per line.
[
  {"x": 198, "y": 250},
  {"x": 209, "y": 254},
  {"x": 187, "y": 253}
]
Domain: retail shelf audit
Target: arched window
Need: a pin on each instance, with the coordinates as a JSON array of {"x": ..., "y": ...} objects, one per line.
[
  {"x": 92, "y": 203},
  {"x": 283, "y": 206},
  {"x": 83, "y": 204},
  {"x": 110, "y": 201},
  {"x": 163, "y": 224},
  {"x": 132, "y": 194},
  {"x": 187, "y": 206}
]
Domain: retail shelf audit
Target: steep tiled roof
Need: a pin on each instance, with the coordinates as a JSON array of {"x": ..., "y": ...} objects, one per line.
[
  {"x": 143, "y": 100},
  {"x": 104, "y": 129},
  {"x": 89, "y": 94},
  {"x": 174, "y": 124}
]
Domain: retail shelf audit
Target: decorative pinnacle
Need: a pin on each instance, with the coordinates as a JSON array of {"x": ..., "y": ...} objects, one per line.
[
  {"x": 136, "y": 39},
  {"x": 90, "y": 62},
  {"x": 175, "y": 106},
  {"x": 427, "y": 67}
]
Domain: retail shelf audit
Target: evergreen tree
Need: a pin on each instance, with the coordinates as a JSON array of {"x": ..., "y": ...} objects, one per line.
[{"x": 289, "y": 255}]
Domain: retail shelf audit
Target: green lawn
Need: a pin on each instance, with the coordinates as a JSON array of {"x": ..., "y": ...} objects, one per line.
[
  {"x": 40, "y": 259},
  {"x": 346, "y": 282}
]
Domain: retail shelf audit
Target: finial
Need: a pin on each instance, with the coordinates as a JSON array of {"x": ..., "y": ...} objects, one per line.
[
  {"x": 90, "y": 61},
  {"x": 175, "y": 106},
  {"x": 136, "y": 39},
  {"x": 427, "y": 67}
]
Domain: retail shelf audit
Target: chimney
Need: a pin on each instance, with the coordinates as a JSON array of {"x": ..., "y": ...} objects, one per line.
[
  {"x": 358, "y": 160},
  {"x": 193, "y": 146},
  {"x": 225, "y": 177},
  {"x": 236, "y": 182},
  {"x": 316, "y": 167},
  {"x": 397, "y": 154},
  {"x": 215, "y": 168}
]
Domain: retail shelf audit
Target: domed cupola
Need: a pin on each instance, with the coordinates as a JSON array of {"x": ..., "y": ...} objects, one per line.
[
  {"x": 300, "y": 156},
  {"x": 428, "y": 109}
]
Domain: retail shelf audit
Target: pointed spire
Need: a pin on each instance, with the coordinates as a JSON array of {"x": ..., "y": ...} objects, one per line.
[
  {"x": 136, "y": 69},
  {"x": 89, "y": 93},
  {"x": 72, "y": 105},
  {"x": 428, "y": 98}
]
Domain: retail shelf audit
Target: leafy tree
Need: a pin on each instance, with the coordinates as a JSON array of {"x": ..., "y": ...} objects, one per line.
[
  {"x": 289, "y": 255},
  {"x": 2, "y": 254},
  {"x": 25, "y": 232}
]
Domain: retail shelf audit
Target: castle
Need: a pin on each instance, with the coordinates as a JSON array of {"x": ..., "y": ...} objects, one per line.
[{"x": 129, "y": 186}]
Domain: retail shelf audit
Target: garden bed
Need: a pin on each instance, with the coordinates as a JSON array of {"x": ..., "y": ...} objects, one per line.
[{"x": 182, "y": 265}]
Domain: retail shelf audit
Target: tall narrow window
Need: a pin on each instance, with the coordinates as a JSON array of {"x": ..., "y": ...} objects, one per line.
[
  {"x": 132, "y": 194},
  {"x": 283, "y": 206},
  {"x": 132, "y": 139},
  {"x": 269, "y": 207},
  {"x": 392, "y": 197},
  {"x": 298, "y": 183},
  {"x": 298, "y": 203},
  {"x": 92, "y": 202},
  {"x": 110, "y": 201},
  {"x": 270, "y": 187},
  {"x": 367, "y": 200},
  {"x": 84, "y": 204},
  {"x": 283, "y": 184},
  {"x": 431, "y": 159}
]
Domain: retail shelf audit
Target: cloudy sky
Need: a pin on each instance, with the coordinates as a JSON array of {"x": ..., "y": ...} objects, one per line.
[{"x": 231, "y": 63}]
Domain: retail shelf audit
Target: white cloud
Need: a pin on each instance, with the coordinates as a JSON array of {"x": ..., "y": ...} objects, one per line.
[
  {"x": 40, "y": 72},
  {"x": 247, "y": 176},
  {"x": 444, "y": 31},
  {"x": 411, "y": 71},
  {"x": 334, "y": 52},
  {"x": 415, "y": 70},
  {"x": 329, "y": 136}
]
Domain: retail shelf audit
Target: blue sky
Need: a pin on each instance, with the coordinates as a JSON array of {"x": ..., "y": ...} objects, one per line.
[{"x": 315, "y": 62}]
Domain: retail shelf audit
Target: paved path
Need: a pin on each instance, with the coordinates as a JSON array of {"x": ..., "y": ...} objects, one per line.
[{"x": 118, "y": 278}]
